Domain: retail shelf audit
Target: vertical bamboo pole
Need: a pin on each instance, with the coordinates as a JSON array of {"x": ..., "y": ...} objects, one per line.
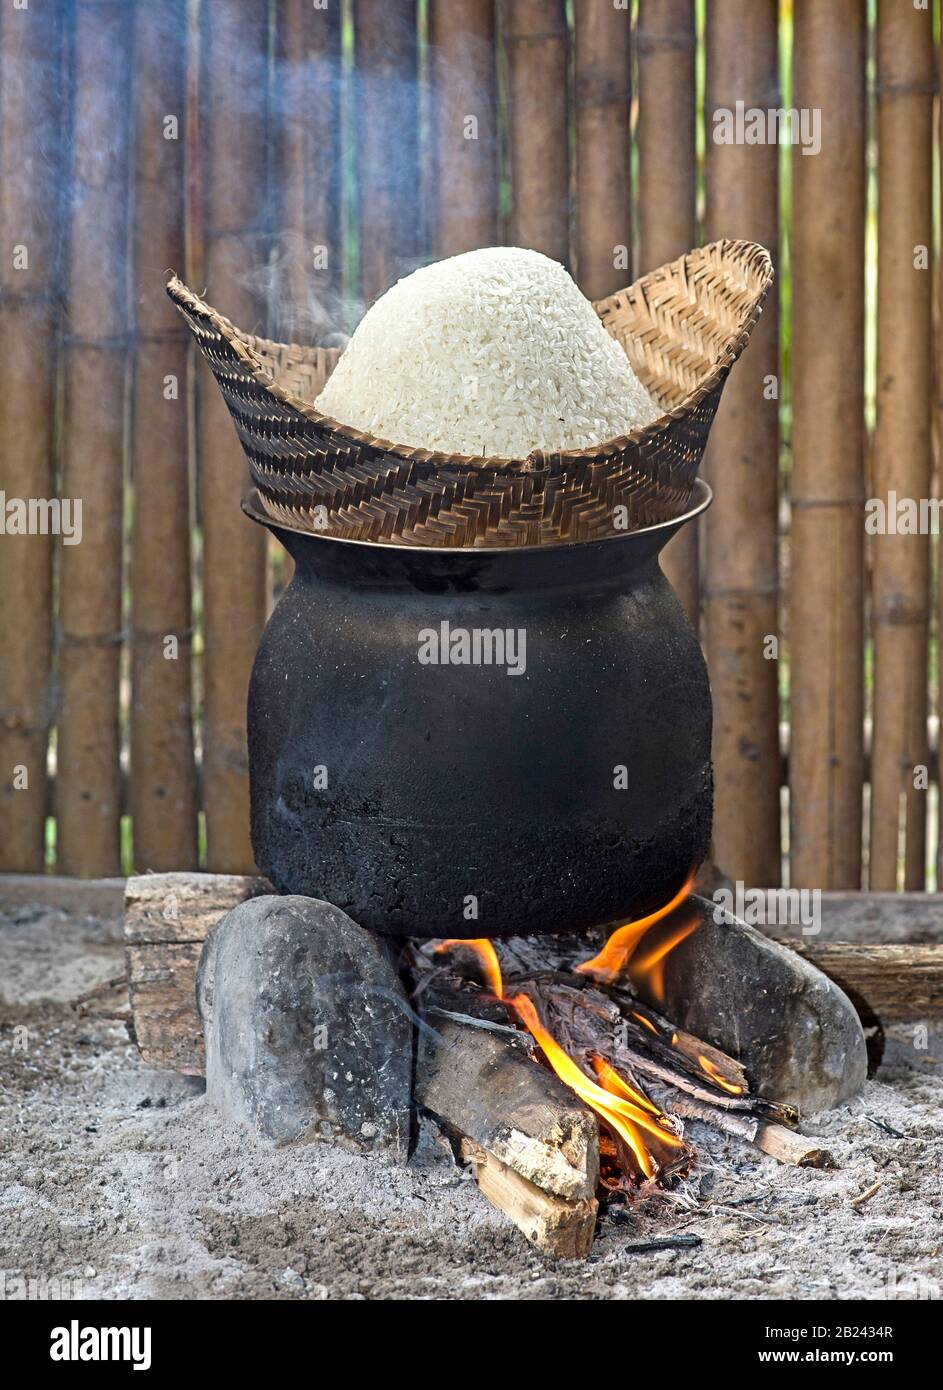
[
  {"x": 535, "y": 38},
  {"x": 462, "y": 34},
  {"x": 163, "y": 773},
  {"x": 741, "y": 533},
  {"x": 938, "y": 447},
  {"x": 387, "y": 121},
  {"x": 827, "y": 536},
  {"x": 234, "y": 43},
  {"x": 667, "y": 159},
  {"x": 30, "y": 136},
  {"x": 308, "y": 125},
  {"x": 901, "y": 573},
  {"x": 90, "y": 591},
  {"x": 602, "y": 38}
]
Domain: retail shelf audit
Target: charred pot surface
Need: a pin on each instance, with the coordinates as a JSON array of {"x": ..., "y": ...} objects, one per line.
[{"x": 524, "y": 731}]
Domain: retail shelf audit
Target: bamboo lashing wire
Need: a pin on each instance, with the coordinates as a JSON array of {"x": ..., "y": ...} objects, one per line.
[
  {"x": 163, "y": 793},
  {"x": 387, "y": 127},
  {"x": 88, "y": 786},
  {"x": 536, "y": 42},
  {"x": 234, "y": 180},
  {"x": 30, "y": 208},
  {"x": 826, "y": 600},
  {"x": 667, "y": 217},
  {"x": 602, "y": 40},
  {"x": 462, "y": 34},
  {"x": 901, "y": 563},
  {"x": 741, "y": 572}
]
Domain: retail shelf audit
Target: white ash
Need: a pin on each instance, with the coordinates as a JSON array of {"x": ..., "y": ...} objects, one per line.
[
  {"x": 121, "y": 1178},
  {"x": 493, "y": 353}
]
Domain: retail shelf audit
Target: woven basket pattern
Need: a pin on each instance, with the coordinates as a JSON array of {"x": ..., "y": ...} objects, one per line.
[{"x": 683, "y": 327}]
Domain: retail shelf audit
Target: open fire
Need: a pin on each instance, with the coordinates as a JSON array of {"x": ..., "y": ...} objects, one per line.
[
  {"x": 627, "y": 1112},
  {"x": 646, "y": 1141},
  {"x": 548, "y": 1061}
]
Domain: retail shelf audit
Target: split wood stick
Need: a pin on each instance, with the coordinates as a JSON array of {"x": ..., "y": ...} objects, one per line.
[
  {"x": 602, "y": 38},
  {"x": 741, "y": 573},
  {"x": 307, "y": 112},
  {"x": 167, "y": 919},
  {"x": 30, "y": 210},
  {"x": 462, "y": 35},
  {"x": 387, "y": 124},
  {"x": 554, "y": 1225},
  {"x": 88, "y": 787},
  {"x": 667, "y": 218},
  {"x": 163, "y": 799},
  {"x": 480, "y": 1084},
  {"x": 827, "y": 537},
  {"x": 234, "y": 48},
  {"x": 789, "y": 1147},
  {"x": 902, "y": 463},
  {"x": 536, "y": 42}
]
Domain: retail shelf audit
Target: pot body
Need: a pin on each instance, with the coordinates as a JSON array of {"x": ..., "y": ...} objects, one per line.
[{"x": 432, "y": 796}]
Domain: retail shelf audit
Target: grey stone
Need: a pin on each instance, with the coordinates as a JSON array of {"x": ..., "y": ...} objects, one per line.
[
  {"x": 308, "y": 1033},
  {"x": 795, "y": 1031}
]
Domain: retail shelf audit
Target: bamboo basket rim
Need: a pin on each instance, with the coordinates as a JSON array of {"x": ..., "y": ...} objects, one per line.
[
  {"x": 701, "y": 498},
  {"x": 754, "y": 256}
]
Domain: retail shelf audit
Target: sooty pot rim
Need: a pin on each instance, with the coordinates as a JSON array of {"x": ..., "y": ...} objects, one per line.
[{"x": 661, "y": 532}]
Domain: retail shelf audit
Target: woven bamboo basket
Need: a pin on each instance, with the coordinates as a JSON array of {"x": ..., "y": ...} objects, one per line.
[{"x": 682, "y": 327}]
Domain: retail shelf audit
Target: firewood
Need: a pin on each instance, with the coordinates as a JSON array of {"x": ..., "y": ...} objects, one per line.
[
  {"x": 775, "y": 1140},
  {"x": 790, "y": 1147},
  {"x": 167, "y": 917},
  {"x": 554, "y": 1225},
  {"x": 485, "y": 1088},
  {"x": 892, "y": 982}
]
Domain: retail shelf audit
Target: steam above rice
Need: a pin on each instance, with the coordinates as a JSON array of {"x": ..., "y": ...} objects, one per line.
[{"x": 493, "y": 353}]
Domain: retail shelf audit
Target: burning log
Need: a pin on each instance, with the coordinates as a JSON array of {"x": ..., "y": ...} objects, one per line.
[
  {"x": 576, "y": 1023},
  {"x": 481, "y": 1082}
]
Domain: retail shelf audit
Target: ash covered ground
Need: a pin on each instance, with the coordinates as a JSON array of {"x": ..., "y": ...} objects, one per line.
[{"x": 117, "y": 1181}]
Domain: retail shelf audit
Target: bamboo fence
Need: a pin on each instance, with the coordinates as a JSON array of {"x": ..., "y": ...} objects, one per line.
[
  {"x": 601, "y": 98},
  {"x": 233, "y": 154},
  {"x": 387, "y": 130},
  {"x": 88, "y": 747},
  {"x": 30, "y": 205},
  {"x": 741, "y": 579},
  {"x": 317, "y": 152},
  {"x": 537, "y": 47},
  {"x": 901, "y": 563},
  {"x": 826, "y": 595},
  {"x": 462, "y": 35},
  {"x": 163, "y": 793},
  {"x": 667, "y": 193}
]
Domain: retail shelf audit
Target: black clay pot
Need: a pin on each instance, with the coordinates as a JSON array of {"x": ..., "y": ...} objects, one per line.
[{"x": 463, "y": 799}]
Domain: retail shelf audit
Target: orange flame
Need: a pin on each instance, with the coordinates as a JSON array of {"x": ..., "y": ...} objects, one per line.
[
  {"x": 718, "y": 1078},
  {"x": 612, "y": 960},
  {"x": 625, "y": 1109},
  {"x": 610, "y": 1080},
  {"x": 645, "y": 1022},
  {"x": 650, "y": 969},
  {"x": 624, "y": 1115},
  {"x": 487, "y": 959}
]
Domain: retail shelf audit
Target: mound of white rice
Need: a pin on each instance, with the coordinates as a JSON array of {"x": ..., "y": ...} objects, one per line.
[{"x": 493, "y": 353}]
